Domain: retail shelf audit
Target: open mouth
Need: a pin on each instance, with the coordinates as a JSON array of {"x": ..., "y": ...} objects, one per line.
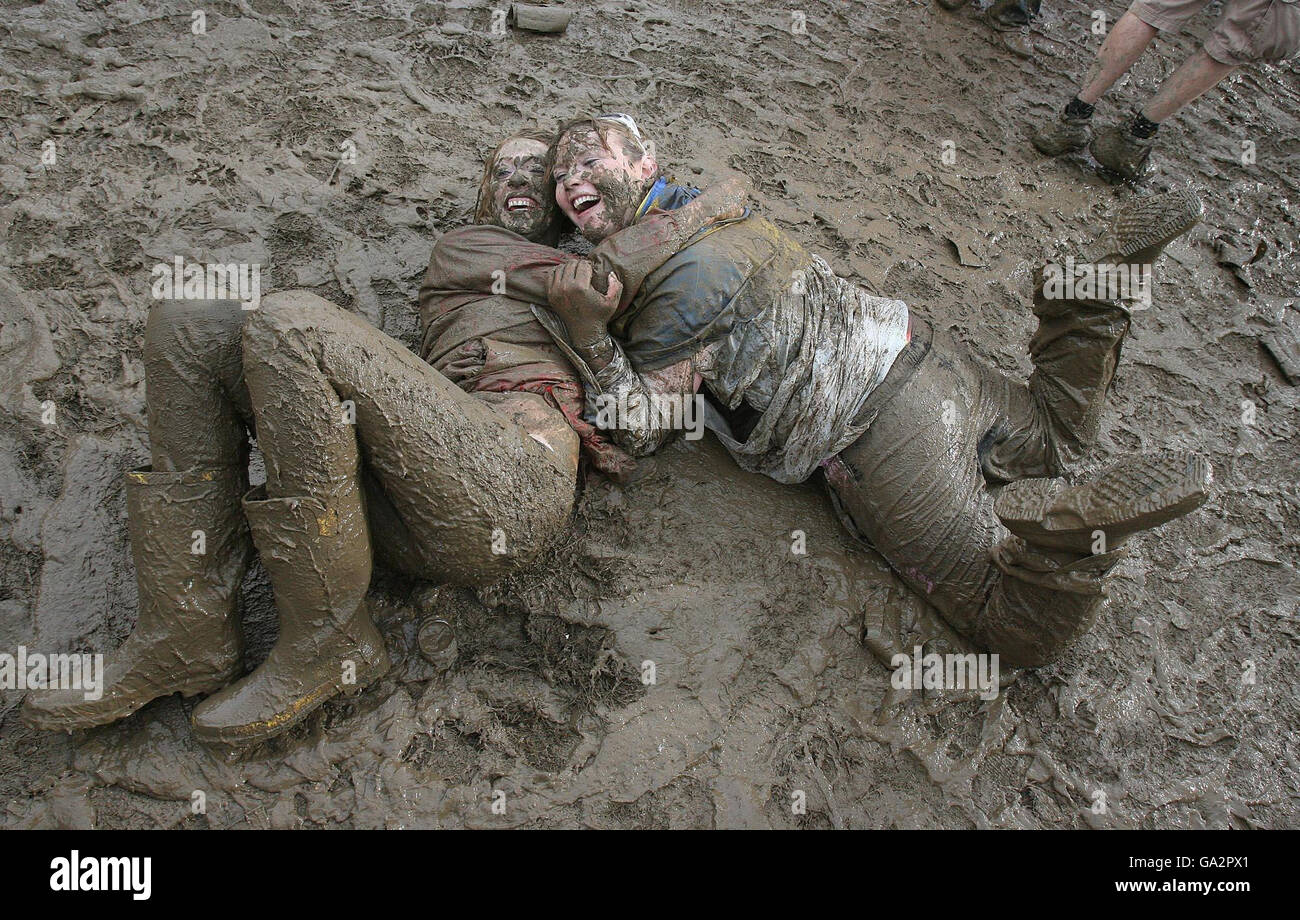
[
  {"x": 585, "y": 203},
  {"x": 520, "y": 203}
]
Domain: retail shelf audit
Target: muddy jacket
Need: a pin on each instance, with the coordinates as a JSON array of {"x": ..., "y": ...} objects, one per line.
[
  {"x": 789, "y": 349},
  {"x": 491, "y": 342}
]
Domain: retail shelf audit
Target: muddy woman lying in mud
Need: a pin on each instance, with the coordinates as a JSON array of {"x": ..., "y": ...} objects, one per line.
[
  {"x": 946, "y": 467},
  {"x": 457, "y": 468}
]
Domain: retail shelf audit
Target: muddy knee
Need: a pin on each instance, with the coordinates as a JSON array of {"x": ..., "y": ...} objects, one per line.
[
  {"x": 285, "y": 310},
  {"x": 282, "y": 318},
  {"x": 179, "y": 328}
]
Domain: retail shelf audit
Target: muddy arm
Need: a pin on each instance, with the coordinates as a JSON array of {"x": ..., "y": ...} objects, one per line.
[
  {"x": 641, "y": 412},
  {"x": 636, "y": 251},
  {"x": 491, "y": 260}
]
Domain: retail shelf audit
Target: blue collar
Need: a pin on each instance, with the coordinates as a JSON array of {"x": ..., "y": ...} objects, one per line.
[{"x": 652, "y": 196}]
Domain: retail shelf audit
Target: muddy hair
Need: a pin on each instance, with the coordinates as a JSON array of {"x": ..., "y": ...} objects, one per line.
[
  {"x": 484, "y": 199},
  {"x": 602, "y": 128}
]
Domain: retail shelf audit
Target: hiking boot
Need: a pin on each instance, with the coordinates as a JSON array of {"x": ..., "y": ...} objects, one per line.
[
  {"x": 1140, "y": 231},
  {"x": 1119, "y": 150},
  {"x": 317, "y": 554},
  {"x": 1098, "y": 515},
  {"x": 1063, "y": 134},
  {"x": 187, "y": 638}
]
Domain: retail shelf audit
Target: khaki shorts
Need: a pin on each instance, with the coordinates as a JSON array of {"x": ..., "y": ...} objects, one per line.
[{"x": 1247, "y": 30}]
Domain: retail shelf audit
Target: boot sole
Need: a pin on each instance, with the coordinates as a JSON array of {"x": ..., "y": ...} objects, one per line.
[
  {"x": 1136, "y": 494},
  {"x": 1151, "y": 224},
  {"x": 299, "y": 709}
]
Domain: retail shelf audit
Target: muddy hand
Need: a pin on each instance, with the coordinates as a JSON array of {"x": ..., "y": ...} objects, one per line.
[
  {"x": 725, "y": 199},
  {"x": 584, "y": 309}
]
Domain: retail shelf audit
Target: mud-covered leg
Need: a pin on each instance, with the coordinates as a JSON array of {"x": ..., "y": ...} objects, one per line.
[
  {"x": 1053, "y": 423},
  {"x": 913, "y": 487},
  {"x": 1066, "y": 540},
  {"x": 331, "y": 392},
  {"x": 197, "y": 404},
  {"x": 309, "y": 525},
  {"x": 472, "y": 478},
  {"x": 1047, "y": 429}
]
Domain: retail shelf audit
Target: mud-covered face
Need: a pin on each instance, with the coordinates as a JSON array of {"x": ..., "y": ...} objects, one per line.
[
  {"x": 520, "y": 200},
  {"x": 597, "y": 188}
]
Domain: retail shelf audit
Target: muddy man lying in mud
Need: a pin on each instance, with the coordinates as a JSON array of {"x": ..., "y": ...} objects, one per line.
[
  {"x": 456, "y": 468},
  {"x": 946, "y": 467}
]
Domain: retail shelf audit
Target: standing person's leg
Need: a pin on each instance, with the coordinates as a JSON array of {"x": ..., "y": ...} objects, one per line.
[
  {"x": 1127, "y": 40},
  {"x": 1248, "y": 31},
  {"x": 1193, "y": 77},
  {"x": 1124, "y": 44},
  {"x": 474, "y": 490},
  {"x": 188, "y": 538}
]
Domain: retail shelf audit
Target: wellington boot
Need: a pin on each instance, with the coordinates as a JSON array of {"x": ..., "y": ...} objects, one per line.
[
  {"x": 317, "y": 553},
  {"x": 191, "y": 548}
]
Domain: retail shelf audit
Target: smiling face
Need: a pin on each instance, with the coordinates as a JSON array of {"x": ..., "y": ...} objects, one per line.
[
  {"x": 599, "y": 188},
  {"x": 514, "y": 193}
]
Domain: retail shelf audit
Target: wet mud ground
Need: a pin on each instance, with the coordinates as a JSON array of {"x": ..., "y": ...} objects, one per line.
[{"x": 1178, "y": 710}]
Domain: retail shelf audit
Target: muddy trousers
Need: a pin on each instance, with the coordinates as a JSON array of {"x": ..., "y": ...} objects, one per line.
[
  {"x": 456, "y": 491},
  {"x": 920, "y": 484}
]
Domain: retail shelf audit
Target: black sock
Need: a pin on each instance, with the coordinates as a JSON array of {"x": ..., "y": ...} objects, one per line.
[
  {"x": 1077, "y": 108},
  {"x": 1143, "y": 127}
]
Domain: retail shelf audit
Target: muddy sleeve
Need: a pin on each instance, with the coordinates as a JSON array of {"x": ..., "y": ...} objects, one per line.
[
  {"x": 640, "y": 412},
  {"x": 636, "y": 411},
  {"x": 479, "y": 257},
  {"x": 633, "y": 253}
]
